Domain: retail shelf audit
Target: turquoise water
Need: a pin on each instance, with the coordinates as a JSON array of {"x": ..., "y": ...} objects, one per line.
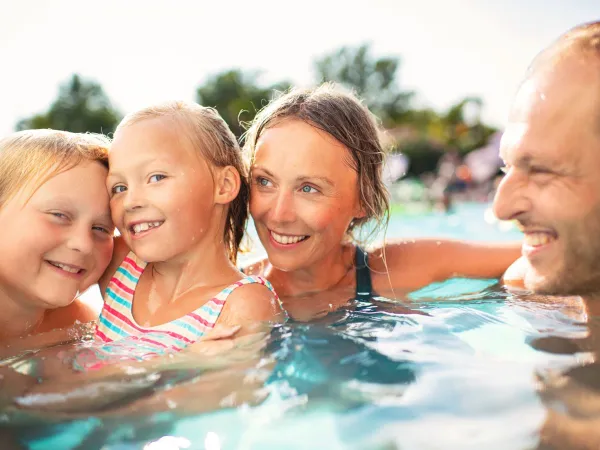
[{"x": 456, "y": 365}]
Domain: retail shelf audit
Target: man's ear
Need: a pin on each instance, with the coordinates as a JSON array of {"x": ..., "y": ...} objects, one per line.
[{"x": 227, "y": 184}]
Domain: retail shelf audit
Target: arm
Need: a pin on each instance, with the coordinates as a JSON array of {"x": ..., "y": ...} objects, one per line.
[
  {"x": 414, "y": 264},
  {"x": 249, "y": 306}
]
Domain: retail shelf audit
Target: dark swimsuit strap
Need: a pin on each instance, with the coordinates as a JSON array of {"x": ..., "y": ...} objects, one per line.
[{"x": 364, "y": 288}]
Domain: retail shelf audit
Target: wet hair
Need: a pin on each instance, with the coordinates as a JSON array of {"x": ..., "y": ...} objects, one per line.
[
  {"x": 32, "y": 157},
  {"x": 211, "y": 137},
  {"x": 341, "y": 115}
]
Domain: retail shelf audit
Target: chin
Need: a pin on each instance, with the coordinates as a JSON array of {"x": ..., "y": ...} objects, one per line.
[
  {"x": 54, "y": 303},
  {"x": 547, "y": 284}
]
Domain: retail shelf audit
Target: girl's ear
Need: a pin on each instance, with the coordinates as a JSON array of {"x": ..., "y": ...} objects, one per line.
[{"x": 227, "y": 184}]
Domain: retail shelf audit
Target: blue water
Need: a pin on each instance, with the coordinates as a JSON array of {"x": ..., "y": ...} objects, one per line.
[{"x": 454, "y": 366}]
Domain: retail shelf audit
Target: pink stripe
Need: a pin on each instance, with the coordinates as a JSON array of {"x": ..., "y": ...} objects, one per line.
[
  {"x": 145, "y": 339},
  {"x": 200, "y": 319},
  {"x": 101, "y": 335},
  {"x": 217, "y": 301},
  {"x": 118, "y": 282},
  {"x": 132, "y": 325},
  {"x": 132, "y": 263}
]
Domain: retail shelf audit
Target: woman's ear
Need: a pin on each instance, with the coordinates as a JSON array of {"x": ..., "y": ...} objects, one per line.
[
  {"x": 359, "y": 211},
  {"x": 227, "y": 184}
]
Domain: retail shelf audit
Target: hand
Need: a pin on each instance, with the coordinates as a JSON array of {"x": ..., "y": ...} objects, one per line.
[{"x": 222, "y": 339}]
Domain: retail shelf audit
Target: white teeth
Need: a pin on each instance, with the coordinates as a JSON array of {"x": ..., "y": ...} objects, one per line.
[
  {"x": 281, "y": 239},
  {"x": 537, "y": 239},
  {"x": 139, "y": 227},
  {"x": 65, "y": 268}
]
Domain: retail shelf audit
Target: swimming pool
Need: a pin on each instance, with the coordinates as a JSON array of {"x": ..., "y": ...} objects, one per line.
[{"x": 456, "y": 366}]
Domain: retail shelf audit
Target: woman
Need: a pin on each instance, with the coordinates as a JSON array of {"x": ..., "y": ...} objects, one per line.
[{"x": 316, "y": 180}]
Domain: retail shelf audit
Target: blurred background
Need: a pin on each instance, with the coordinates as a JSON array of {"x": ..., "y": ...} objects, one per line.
[{"x": 439, "y": 75}]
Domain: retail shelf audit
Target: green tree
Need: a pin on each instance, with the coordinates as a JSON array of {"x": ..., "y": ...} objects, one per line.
[
  {"x": 81, "y": 106},
  {"x": 373, "y": 79},
  {"x": 237, "y": 96}
]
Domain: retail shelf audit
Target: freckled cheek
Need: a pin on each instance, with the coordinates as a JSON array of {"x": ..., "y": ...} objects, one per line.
[
  {"x": 116, "y": 212},
  {"x": 325, "y": 218},
  {"x": 103, "y": 254}
]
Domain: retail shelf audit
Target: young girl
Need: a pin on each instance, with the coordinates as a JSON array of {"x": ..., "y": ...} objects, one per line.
[
  {"x": 179, "y": 197},
  {"x": 57, "y": 233}
]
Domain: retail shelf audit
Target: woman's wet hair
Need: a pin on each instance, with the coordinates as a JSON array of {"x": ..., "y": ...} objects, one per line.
[
  {"x": 30, "y": 158},
  {"x": 340, "y": 114},
  {"x": 211, "y": 137}
]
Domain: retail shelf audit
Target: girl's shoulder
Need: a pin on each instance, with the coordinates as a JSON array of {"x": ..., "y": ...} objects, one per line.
[{"x": 251, "y": 299}]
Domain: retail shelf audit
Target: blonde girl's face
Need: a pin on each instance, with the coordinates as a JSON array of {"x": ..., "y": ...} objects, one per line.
[
  {"x": 162, "y": 191},
  {"x": 57, "y": 242}
]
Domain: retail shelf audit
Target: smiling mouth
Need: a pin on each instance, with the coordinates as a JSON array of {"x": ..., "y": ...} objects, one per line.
[
  {"x": 66, "y": 267},
  {"x": 142, "y": 227},
  {"x": 538, "y": 239},
  {"x": 284, "y": 239}
]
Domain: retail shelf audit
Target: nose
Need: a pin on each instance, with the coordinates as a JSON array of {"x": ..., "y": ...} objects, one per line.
[
  {"x": 283, "y": 209},
  {"x": 133, "y": 199},
  {"x": 512, "y": 197},
  {"x": 81, "y": 239}
]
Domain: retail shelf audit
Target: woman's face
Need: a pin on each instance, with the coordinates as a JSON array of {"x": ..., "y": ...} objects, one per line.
[
  {"x": 56, "y": 241},
  {"x": 304, "y": 194}
]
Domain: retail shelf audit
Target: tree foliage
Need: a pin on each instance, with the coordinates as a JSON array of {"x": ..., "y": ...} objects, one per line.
[
  {"x": 81, "y": 106},
  {"x": 237, "y": 96},
  {"x": 373, "y": 79}
]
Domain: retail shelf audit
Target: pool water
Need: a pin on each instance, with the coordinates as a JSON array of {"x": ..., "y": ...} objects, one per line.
[{"x": 455, "y": 365}]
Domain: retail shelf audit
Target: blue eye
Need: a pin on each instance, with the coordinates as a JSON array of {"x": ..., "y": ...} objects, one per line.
[
  {"x": 308, "y": 189},
  {"x": 156, "y": 178},
  {"x": 262, "y": 181},
  {"x": 118, "y": 189},
  {"x": 59, "y": 215},
  {"x": 103, "y": 229}
]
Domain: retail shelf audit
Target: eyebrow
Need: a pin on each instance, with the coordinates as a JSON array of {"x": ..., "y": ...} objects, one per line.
[
  {"x": 141, "y": 165},
  {"x": 301, "y": 179},
  {"x": 65, "y": 202}
]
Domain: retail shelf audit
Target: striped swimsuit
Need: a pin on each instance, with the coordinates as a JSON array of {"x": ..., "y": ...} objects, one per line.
[{"x": 119, "y": 338}]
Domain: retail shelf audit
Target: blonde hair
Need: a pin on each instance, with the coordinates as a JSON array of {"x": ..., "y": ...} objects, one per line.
[
  {"x": 341, "y": 115},
  {"x": 211, "y": 137},
  {"x": 35, "y": 156}
]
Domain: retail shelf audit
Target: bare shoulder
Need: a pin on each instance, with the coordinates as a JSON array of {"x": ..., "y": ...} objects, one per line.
[
  {"x": 121, "y": 249},
  {"x": 251, "y": 303},
  {"x": 78, "y": 311}
]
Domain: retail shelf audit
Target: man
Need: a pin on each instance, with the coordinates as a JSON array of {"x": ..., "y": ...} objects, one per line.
[{"x": 551, "y": 148}]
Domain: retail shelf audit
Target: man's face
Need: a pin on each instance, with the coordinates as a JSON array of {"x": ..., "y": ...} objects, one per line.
[{"x": 551, "y": 148}]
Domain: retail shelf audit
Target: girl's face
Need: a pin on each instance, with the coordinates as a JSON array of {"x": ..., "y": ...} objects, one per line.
[
  {"x": 57, "y": 242},
  {"x": 304, "y": 194},
  {"x": 162, "y": 192}
]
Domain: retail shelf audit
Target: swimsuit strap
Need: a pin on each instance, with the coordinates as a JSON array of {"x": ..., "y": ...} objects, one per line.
[{"x": 364, "y": 287}]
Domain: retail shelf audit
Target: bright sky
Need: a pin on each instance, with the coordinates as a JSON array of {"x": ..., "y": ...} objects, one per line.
[{"x": 143, "y": 51}]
